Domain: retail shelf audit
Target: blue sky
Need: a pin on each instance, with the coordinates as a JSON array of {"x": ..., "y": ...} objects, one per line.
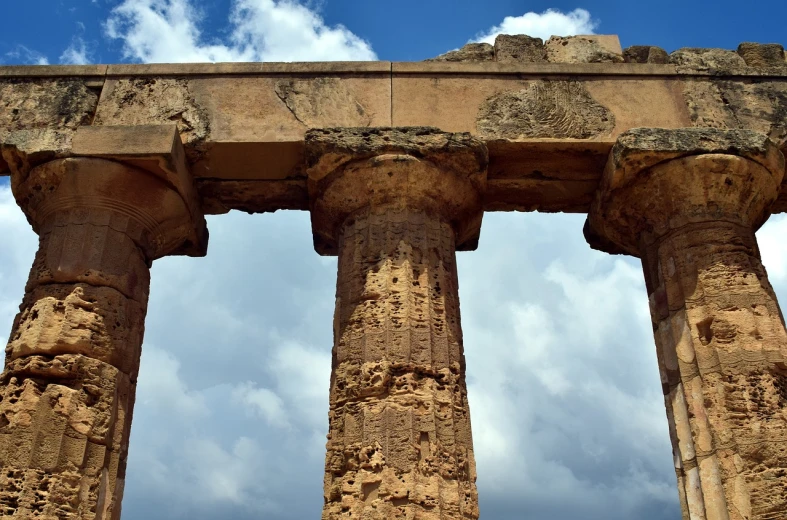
[{"x": 231, "y": 415}]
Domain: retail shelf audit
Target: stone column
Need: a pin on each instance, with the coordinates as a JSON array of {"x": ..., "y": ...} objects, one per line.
[
  {"x": 687, "y": 202},
  {"x": 67, "y": 390},
  {"x": 395, "y": 204}
]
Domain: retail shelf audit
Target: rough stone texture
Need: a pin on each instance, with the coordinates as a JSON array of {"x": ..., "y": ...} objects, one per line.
[
  {"x": 469, "y": 52},
  {"x": 67, "y": 390},
  {"x": 759, "y": 106},
  {"x": 645, "y": 54},
  {"x": 762, "y": 55},
  {"x": 331, "y": 153},
  {"x": 720, "y": 336},
  {"x": 400, "y": 443},
  {"x": 519, "y": 48},
  {"x": 46, "y": 110},
  {"x": 689, "y": 58},
  {"x": 322, "y": 101},
  {"x": 584, "y": 49},
  {"x": 155, "y": 101},
  {"x": 549, "y": 109}
]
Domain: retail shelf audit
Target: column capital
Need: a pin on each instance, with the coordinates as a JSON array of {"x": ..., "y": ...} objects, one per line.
[
  {"x": 133, "y": 179},
  {"x": 657, "y": 180},
  {"x": 351, "y": 169}
]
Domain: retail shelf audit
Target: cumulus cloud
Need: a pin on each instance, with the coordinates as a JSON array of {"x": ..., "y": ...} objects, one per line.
[
  {"x": 542, "y": 25},
  {"x": 259, "y": 30},
  {"x": 76, "y": 54}
]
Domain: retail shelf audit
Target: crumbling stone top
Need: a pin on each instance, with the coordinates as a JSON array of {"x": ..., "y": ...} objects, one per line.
[
  {"x": 354, "y": 169},
  {"x": 638, "y": 149},
  {"x": 521, "y": 48},
  {"x": 328, "y": 149}
]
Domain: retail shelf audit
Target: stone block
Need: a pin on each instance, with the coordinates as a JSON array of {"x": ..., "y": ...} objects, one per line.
[
  {"x": 519, "y": 48},
  {"x": 762, "y": 55},
  {"x": 645, "y": 54},
  {"x": 584, "y": 49},
  {"x": 705, "y": 59}
]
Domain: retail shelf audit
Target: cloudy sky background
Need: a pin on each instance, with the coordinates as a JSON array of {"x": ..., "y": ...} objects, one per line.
[{"x": 231, "y": 414}]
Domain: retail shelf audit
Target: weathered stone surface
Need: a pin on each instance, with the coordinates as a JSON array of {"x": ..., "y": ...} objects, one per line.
[
  {"x": 762, "y": 55},
  {"x": 400, "y": 443},
  {"x": 645, "y": 54},
  {"x": 353, "y": 168},
  {"x": 519, "y": 48},
  {"x": 757, "y": 106},
  {"x": 47, "y": 110},
  {"x": 584, "y": 49},
  {"x": 73, "y": 355},
  {"x": 63, "y": 437},
  {"x": 689, "y": 58},
  {"x": 469, "y": 52},
  {"x": 156, "y": 101},
  {"x": 81, "y": 190},
  {"x": 322, "y": 102},
  {"x": 721, "y": 341},
  {"x": 550, "y": 109}
]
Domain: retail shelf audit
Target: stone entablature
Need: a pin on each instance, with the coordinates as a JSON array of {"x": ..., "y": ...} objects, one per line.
[{"x": 243, "y": 124}]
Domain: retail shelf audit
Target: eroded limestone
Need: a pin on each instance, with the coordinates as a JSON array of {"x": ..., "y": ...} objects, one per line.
[
  {"x": 67, "y": 390},
  {"x": 400, "y": 442},
  {"x": 687, "y": 202},
  {"x": 547, "y": 109}
]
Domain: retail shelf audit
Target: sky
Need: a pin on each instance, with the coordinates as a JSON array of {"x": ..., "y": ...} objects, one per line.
[{"x": 231, "y": 414}]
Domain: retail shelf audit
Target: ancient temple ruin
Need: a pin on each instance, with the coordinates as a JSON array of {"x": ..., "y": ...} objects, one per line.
[{"x": 677, "y": 159}]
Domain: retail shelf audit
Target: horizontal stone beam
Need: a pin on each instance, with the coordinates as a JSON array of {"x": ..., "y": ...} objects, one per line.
[{"x": 548, "y": 126}]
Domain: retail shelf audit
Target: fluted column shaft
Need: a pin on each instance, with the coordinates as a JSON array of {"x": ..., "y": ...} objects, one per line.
[
  {"x": 721, "y": 344},
  {"x": 400, "y": 442},
  {"x": 720, "y": 335},
  {"x": 399, "y": 419},
  {"x": 67, "y": 390}
]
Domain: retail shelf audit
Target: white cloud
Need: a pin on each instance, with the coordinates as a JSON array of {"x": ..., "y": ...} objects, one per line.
[
  {"x": 542, "y": 25},
  {"x": 76, "y": 53},
  {"x": 265, "y": 402},
  {"x": 773, "y": 247},
  {"x": 27, "y": 56},
  {"x": 260, "y": 30}
]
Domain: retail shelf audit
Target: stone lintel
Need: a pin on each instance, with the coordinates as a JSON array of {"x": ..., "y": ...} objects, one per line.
[
  {"x": 350, "y": 169},
  {"x": 657, "y": 179}
]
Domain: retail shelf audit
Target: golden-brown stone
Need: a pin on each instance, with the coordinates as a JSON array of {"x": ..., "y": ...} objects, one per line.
[
  {"x": 67, "y": 390},
  {"x": 400, "y": 444},
  {"x": 687, "y": 202}
]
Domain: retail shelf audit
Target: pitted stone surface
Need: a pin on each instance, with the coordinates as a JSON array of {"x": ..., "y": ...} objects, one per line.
[
  {"x": 67, "y": 390},
  {"x": 46, "y": 112},
  {"x": 762, "y": 55},
  {"x": 720, "y": 336},
  {"x": 690, "y": 58},
  {"x": 641, "y": 148},
  {"x": 546, "y": 109},
  {"x": 154, "y": 101},
  {"x": 400, "y": 444},
  {"x": 329, "y": 148},
  {"x": 519, "y": 48},
  {"x": 352, "y": 168},
  {"x": 584, "y": 49}
]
